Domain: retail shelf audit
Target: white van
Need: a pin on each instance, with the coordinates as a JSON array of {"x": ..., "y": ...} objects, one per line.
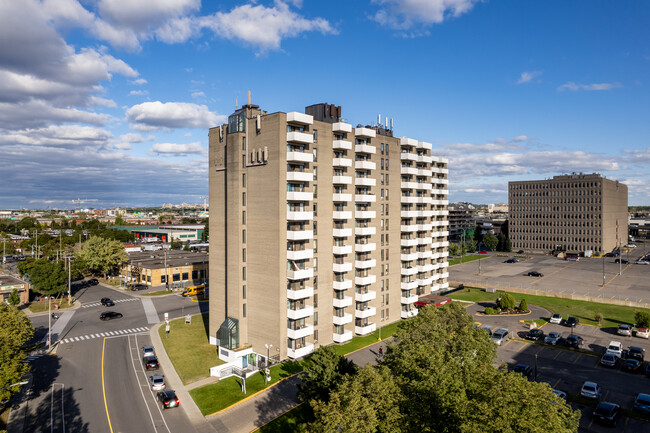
[
  {"x": 615, "y": 348},
  {"x": 500, "y": 336}
]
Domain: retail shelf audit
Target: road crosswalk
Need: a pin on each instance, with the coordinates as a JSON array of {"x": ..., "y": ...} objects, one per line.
[
  {"x": 96, "y": 304},
  {"x": 104, "y": 334}
]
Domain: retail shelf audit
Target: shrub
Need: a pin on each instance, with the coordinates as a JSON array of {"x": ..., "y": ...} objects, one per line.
[
  {"x": 642, "y": 319},
  {"x": 506, "y": 302},
  {"x": 598, "y": 317},
  {"x": 523, "y": 306},
  {"x": 490, "y": 311}
]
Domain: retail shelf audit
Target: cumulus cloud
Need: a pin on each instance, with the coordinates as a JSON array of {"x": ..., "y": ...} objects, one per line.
[
  {"x": 150, "y": 116},
  {"x": 198, "y": 95},
  {"x": 68, "y": 136},
  {"x": 176, "y": 149},
  {"x": 139, "y": 81},
  {"x": 405, "y": 14},
  {"x": 138, "y": 93},
  {"x": 141, "y": 14},
  {"x": 527, "y": 77},
  {"x": 574, "y": 87},
  {"x": 135, "y": 138},
  {"x": 33, "y": 114}
]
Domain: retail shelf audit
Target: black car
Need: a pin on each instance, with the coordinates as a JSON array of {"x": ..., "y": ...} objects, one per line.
[
  {"x": 535, "y": 334},
  {"x": 642, "y": 403},
  {"x": 93, "y": 281},
  {"x": 524, "y": 370},
  {"x": 607, "y": 413},
  {"x": 622, "y": 261},
  {"x": 632, "y": 365},
  {"x": 636, "y": 352},
  {"x": 107, "y": 302},
  {"x": 110, "y": 315},
  {"x": 572, "y": 322},
  {"x": 151, "y": 362},
  {"x": 137, "y": 287},
  {"x": 168, "y": 399},
  {"x": 535, "y": 274},
  {"x": 512, "y": 260},
  {"x": 574, "y": 341}
]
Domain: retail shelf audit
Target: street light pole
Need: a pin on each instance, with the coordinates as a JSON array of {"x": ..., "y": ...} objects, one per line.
[
  {"x": 268, "y": 362},
  {"x": 603, "y": 270}
]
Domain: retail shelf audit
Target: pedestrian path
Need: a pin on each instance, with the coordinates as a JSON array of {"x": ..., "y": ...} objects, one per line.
[
  {"x": 150, "y": 311},
  {"x": 104, "y": 335},
  {"x": 97, "y": 304}
]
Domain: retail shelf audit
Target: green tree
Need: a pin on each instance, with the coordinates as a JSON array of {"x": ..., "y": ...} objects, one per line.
[
  {"x": 454, "y": 249},
  {"x": 478, "y": 234},
  {"x": 642, "y": 319},
  {"x": 206, "y": 231},
  {"x": 507, "y": 245},
  {"x": 102, "y": 255},
  {"x": 324, "y": 372},
  {"x": 490, "y": 241},
  {"x": 14, "y": 298},
  {"x": 48, "y": 278},
  {"x": 15, "y": 331},
  {"x": 119, "y": 221},
  {"x": 506, "y": 302},
  {"x": 523, "y": 306},
  {"x": 175, "y": 244}
]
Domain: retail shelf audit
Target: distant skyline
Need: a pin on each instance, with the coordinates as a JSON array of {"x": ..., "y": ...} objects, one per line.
[{"x": 110, "y": 101}]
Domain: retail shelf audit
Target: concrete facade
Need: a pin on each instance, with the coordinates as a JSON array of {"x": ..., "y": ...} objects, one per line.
[
  {"x": 319, "y": 231},
  {"x": 8, "y": 284},
  {"x": 154, "y": 267},
  {"x": 572, "y": 213}
]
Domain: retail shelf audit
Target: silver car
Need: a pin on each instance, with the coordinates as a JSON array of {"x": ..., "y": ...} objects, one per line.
[
  {"x": 148, "y": 351},
  {"x": 553, "y": 338},
  {"x": 157, "y": 382}
]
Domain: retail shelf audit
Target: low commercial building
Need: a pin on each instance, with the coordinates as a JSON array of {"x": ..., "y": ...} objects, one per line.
[
  {"x": 154, "y": 268},
  {"x": 183, "y": 233},
  {"x": 7, "y": 285}
]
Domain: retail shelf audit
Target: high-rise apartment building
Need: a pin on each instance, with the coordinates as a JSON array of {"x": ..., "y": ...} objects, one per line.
[
  {"x": 319, "y": 230},
  {"x": 573, "y": 213}
]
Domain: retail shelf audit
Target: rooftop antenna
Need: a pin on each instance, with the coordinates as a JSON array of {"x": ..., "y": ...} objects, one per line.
[
  {"x": 391, "y": 123},
  {"x": 248, "y": 94},
  {"x": 236, "y": 102},
  {"x": 379, "y": 120}
]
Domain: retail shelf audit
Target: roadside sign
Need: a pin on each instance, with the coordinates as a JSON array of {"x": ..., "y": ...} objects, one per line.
[{"x": 166, "y": 317}]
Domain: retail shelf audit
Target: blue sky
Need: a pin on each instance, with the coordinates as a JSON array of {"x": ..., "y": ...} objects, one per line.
[{"x": 110, "y": 100}]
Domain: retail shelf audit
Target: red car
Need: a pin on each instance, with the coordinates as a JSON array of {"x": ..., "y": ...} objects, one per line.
[{"x": 482, "y": 252}]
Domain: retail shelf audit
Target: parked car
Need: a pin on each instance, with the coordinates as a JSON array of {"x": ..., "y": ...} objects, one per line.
[
  {"x": 632, "y": 365},
  {"x": 607, "y": 413},
  {"x": 488, "y": 329},
  {"x": 107, "y": 302},
  {"x": 93, "y": 281},
  {"x": 524, "y": 370},
  {"x": 642, "y": 403},
  {"x": 137, "y": 287},
  {"x": 157, "y": 382},
  {"x": 622, "y": 261},
  {"x": 483, "y": 252},
  {"x": 574, "y": 341},
  {"x": 534, "y": 334},
  {"x": 168, "y": 399},
  {"x": 572, "y": 322},
  {"x": 624, "y": 329},
  {"x": 556, "y": 318},
  {"x": 553, "y": 338},
  {"x": 572, "y": 259},
  {"x": 151, "y": 362},
  {"x": 643, "y": 333},
  {"x": 110, "y": 315},
  {"x": 591, "y": 390},
  {"x": 535, "y": 274},
  {"x": 608, "y": 360},
  {"x": 512, "y": 260},
  {"x": 635, "y": 352},
  {"x": 630, "y": 246},
  {"x": 500, "y": 336},
  {"x": 560, "y": 394},
  {"x": 642, "y": 262},
  {"x": 647, "y": 370},
  {"x": 615, "y": 348},
  {"x": 148, "y": 351}
]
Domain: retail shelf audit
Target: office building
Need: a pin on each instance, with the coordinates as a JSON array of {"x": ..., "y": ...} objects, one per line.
[
  {"x": 573, "y": 213},
  {"x": 318, "y": 230}
]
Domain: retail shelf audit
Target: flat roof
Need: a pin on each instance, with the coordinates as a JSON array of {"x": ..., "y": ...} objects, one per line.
[
  {"x": 9, "y": 280},
  {"x": 156, "y": 259}
]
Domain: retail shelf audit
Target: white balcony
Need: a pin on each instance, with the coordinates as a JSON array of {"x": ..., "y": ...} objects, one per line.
[
  {"x": 299, "y": 137},
  {"x": 365, "y": 264},
  {"x": 300, "y": 274},
  {"x": 365, "y": 330},
  {"x": 423, "y": 145},
  {"x": 341, "y": 215},
  {"x": 423, "y": 186},
  {"x": 308, "y": 311},
  {"x": 365, "y": 165},
  {"x": 300, "y": 255},
  {"x": 365, "y": 231},
  {"x": 439, "y": 202},
  {"x": 426, "y": 268},
  {"x": 365, "y": 214},
  {"x": 408, "y": 271},
  {"x": 343, "y": 249},
  {"x": 424, "y": 227},
  {"x": 423, "y": 172},
  {"x": 408, "y": 242},
  {"x": 408, "y": 286},
  {"x": 301, "y": 176},
  {"x": 439, "y": 170},
  {"x": 364, "y": 281},
  {"x": 444, "y": 275},
  {"x": 408, "y": 299},
  {"x": 342, "y": 303},
  {"x": 342, "y": 267},
  {"x": 300, "y": 196},
  {"x": 444, "y": 264},
  {"x": 364, "y": 248},
  {"x": 424, "y": 281},
  {"x": 342, "y": 285},
  {"x": 294, "y": 295},
  {"x": 341, "y": 162},
  {"x": 408, "y": 170},
  {"x": 299, "y": 118},
  {"x": 444, "y": 244},
  {"x": 440, "y": 181},
  {"x": 410, "y": 213},
  {"x": 341, "y": 233},
  {"x": 364, "y": 148},
  {"x": 424, "y": 158},
  {"x": 368, "y": 312},
  {"x": 408, "y": 257},
  {"x": 438, "y": 191},
  {"x": 406, "y": 156},
  {"x": 300, "y": 216},
  {"x": 342, "y": 197},
  {"x": 424, "y": 254},
  {"x": 342, "y": 180},
  {"x": 365, "y": 181},
  {"x": 408, "y": 185},
  {"x": 299, "y": 235},
  {"x": 342, "y": 144},
  {"x": 342, "y": 320},
  {"x": 299, "y": 353},
  {"x": 341, "y": 127},
  {"x": 409, "y": 228},
  {"x": 405, "y": 141},
  {"x": 365, "y": 297},
  {"x": 365, "y": 198},
  {"x": 410, "y": 313},
  {"x": 300, "y": 333},
  {"x": 424, "y": 241},
  {"x": 365, "y": 132},
  {"x": 342, "y": 338},
  {"x": 300, "y": 157}
]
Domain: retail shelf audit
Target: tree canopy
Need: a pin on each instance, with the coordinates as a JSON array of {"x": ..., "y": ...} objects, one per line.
[
  {"x": 102, "y": 255},
  {"x": 490, "y": 241},
  {"x": 15, "y": 330},
  {"x": 47, "y": 278}
]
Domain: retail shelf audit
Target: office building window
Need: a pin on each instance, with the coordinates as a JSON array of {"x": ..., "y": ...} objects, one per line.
[
  {"x": 243, "y": 273},
  {"x": 243, "y": 255},
  {"x": 243, "y": 291},
  {"x": 243, "y": 199},
  {"x": 243, "y": 180},
  {"x": 315, "y": 318},
  {"x": 244, "y": 310},
  {"x": 243, "y": 236},
  {"x": 243, "y": 217}
]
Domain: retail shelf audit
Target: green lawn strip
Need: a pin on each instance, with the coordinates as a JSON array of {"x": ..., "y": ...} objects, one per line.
[
  {"x": 188, "y": 348},
  {"x": 539, "y": 322},
  {"x": 360, "y": 342},
  {"x": 289, "y": 422},
  {"x": 613, "y": 315},
  {"x": 41, "y": 306},
  {"x": 158, "y": 293},
  {"x": 456, "y": 260}
]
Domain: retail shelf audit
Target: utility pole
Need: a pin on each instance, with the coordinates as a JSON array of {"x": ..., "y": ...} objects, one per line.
[
  {"x": 49, "y": 322},
  {"x": 69, "y": 281}
]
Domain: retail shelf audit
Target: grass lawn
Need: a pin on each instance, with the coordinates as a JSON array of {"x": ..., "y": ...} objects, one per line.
[
  {"x": 288, "y": 422},
  {"x": 613, "y": 315},
  {"x": 358, "y": 342},
  {"x": 456, "y": 260},
  {"x": 191, "y": 365},
  {"x": 41, "y": 306},
  {"x": 158, "y": 293}
]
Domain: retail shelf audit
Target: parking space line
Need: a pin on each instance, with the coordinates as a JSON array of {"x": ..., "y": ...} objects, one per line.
[
  {"x": 579, "y": 356},
  {"x": 605, "y": 396},
  {"x": 557, "y": 354},
  {"x": 556, "y": 383},
  {"x": 521, "y": 346}
]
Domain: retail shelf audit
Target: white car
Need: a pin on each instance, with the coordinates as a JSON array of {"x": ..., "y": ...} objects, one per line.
[
  {"x": 553, "y": 338},
  {"x": 500, "y": 336},
  {"x": 615, "y": 348},
  {"x": 630, "y": 246},
  {"x": 624, "y": 329},
  {"x": 148, "y": 351},
  {"x": 556, "y": 318},
  {"x": 591, "y": 390},
  {"x": 157, "y": 382},
  {"x": 642, "y": 262},
  {"x": 643, "y": 333}
]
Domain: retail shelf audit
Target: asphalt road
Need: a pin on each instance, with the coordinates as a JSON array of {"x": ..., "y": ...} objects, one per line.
[{"x": 95, "y": 381}]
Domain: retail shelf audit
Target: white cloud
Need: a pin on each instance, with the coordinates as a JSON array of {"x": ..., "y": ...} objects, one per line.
[
  {"x": 138, "y": 93},
  {"x": 520, "y": 138},
  {"x": 175, "y": 149},
  {"x": 574, "y": 87},
  {"x": 34, "y": 114},
  {"x": 198, "y": 95},
  {"x": 149, "y": 116},
  {"x": 123, "y": 146},
  {"x": 139, "y": 81},
  {"x": 142, "y": 14},
  {"x": 69, "y": 136},
  {"x": 135, "y": 138},
  {"x": 405, "y": 14},
  {"x": 527, "y": 77},
  {"x": 103, "y": 102}
]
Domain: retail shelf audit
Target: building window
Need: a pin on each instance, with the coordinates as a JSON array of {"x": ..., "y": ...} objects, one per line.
[
  {"x": 382, "y": 148},
  {"x": 243, "y": 199},
  {"x": 315, "y": 209},
  {"x": 243, "y": 180},
  {"x": 386, "y": 178},
  {"x": 243, "y": 236},
  {"x": 185, "y": 276},
  {"x": 243, "y": 143},
  {"x": 176, "y": 277},
  {"x": 243, "y": 255},
  {"x": 315, "y": 191},
  {"x": 195, "y": 275},
  {"x": 243, "y": 310},
  {"x": 243, "y": 273},
  {"x": 243, "y": 217},
  {"x": 315, "y": 136},
  {"x": 315, "y": 152},
  {"x": 163, "y": 278},
  {"x": 243, "y": 291},
  {"x": 382, "y": 163},
  {"x": 315, "y": 301},
  {"x": 315, "y": 173},
  {"x": 315, "y": 318}
]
